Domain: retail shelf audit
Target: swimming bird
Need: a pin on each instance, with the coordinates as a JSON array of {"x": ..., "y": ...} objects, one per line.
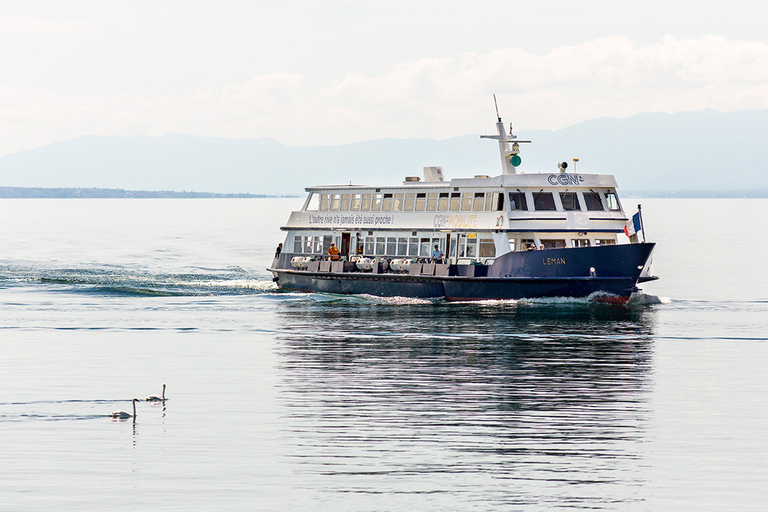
[
  {"x": 155, "y": 398},
  {"x": 123, "y": 415}
]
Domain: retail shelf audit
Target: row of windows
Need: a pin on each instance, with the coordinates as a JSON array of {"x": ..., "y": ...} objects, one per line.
[
  {"x": 466, "y": 201},
  {"x": 462, "y": 245}
]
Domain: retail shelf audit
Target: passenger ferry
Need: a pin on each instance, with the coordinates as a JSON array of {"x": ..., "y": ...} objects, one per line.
[{"x": 512, "y": 236}]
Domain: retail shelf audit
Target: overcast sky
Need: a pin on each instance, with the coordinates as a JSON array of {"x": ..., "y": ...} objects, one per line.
[{"x": 333, "y": 72}]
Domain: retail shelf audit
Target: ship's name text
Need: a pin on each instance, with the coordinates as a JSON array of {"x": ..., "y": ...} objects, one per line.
[{"x": 554, "y": 261}]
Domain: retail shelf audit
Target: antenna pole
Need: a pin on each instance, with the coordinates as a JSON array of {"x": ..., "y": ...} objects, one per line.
[{"x": 497, "y": 108}]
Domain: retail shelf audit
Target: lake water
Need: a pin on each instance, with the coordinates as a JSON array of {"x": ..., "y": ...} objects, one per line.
[{"x": 283, "y": 401}]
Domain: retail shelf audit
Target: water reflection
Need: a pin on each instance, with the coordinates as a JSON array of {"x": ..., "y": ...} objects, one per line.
[{"x": 495, "y": 404}]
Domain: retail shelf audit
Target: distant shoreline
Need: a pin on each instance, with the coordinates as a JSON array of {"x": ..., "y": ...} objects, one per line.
[
  {"x": 696, "y": 194},
  {"x": 117, "y": 193}
]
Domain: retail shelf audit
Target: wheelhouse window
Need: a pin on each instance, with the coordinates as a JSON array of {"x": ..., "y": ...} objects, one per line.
[
  {"x": 354, "y": 204},
  {"x": 570, "y": 201},
  {"x": 495, "y": 202},
  {"x": 466, "y": 201},
  {"x": 479, "y": 202},
  {"x": 324, "y": 202},
  {"x": 408, "y": 204},
  {"x": 592, "y": 201},
  {"x": 334, "y": 202},
  {"x": 517, "y": 201},
  {"x": 544, "y": 201},
  {"x": 344, "y": 206},
  {"x": 613, "y": 201},
  {"x": 442, "y": 202}
]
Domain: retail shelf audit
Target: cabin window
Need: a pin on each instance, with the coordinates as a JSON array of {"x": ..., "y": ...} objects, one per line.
[
  {"x": 425, "y": 250},
  {"x": 380, "y": 246},
  {"x": 324, "y": 202},
  {"x": 391, "y": 246},
  {"x": 365, "y": 203},
  {"x": 334, "y": 202},
  {"x": 344, "y": 206},
  {"x": 297, "y": 243},
  {"x": 386, "y": 203},
  {"x": 553, "y": 244},
  {"x": 431, "y": 201},
  {"x": 402, "y": 246},
  {"x": 593, "y": 202},
  {"x": 455, "y": 201},
  {"x": 479, "y": 202},
  {"x": 471, "y": 248},
  {"x": 442, "y": 202},
  {"x": 408, "y": 204},
  {"x": 580, "y": 242},
  {"x": 613, "y": 201},
  {"x": 317, "y": 245},
  {"x": 604, "y": 241},
  {"x": 421, "y": 200},
  {"x": 487, "y": 248},
  {"x": 354, "y": 204},
  {"x": 397, "y": 205},
  {"x": 369, "y": 245},
  {"x": 495, "y": 202},
  {"x": 413, "y": 246},
  {"x": 527, "y": 244},
  {"x": 452, "y": 249},
  {"x": 376, "y": 203},
  {"x": 517, "y": 201},
  {"x": 570, "y": 201},
  {"x": 544, "y": 201},
  {"x": 466, "y": 201}
]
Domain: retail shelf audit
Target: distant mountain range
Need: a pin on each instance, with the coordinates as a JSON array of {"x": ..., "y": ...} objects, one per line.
[{"x": 703, "y": 152}]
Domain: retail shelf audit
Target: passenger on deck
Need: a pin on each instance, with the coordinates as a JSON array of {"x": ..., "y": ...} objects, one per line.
[
  {"x": 333, "y": 252},
  {"x": 541, "y": 247},
  {"x": 437, "y": 255},
  {"x": 278, "y": 250},
  {"x": 531, "y": 247}
]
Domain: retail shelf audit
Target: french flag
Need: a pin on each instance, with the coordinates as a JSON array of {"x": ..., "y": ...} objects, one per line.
[{"x": 633, "y": 225}]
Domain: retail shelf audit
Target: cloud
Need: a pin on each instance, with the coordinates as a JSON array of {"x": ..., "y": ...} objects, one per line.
[
  {"x": 16, "y": 25},
  {"x": 434, "y": 97}
]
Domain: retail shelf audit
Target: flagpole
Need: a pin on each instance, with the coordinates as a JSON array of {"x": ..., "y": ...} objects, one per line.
[{"x": 642, "y": 227}]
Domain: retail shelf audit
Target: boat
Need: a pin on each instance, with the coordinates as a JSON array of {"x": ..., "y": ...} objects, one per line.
[{"x": 511, "y": 236}]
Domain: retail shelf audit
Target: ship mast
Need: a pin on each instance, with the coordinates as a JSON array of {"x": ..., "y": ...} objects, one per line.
[{"x": 510, "y": 158}]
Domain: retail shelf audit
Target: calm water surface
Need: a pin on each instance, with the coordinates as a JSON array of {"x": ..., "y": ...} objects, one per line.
[{"x": 282, "y": 401}]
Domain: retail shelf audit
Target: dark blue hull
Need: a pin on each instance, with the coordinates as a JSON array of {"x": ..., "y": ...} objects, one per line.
[{"x": 613, "y": 271}]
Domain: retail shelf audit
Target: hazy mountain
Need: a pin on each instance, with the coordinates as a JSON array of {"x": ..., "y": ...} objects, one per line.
[{"x": 702, "y": 150}]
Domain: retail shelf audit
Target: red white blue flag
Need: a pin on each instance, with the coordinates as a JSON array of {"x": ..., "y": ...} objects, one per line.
[{"x": 633, "y": 225}]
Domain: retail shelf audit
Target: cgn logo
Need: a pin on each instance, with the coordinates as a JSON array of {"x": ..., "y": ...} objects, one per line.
[{"x": 564, "y": 179}]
